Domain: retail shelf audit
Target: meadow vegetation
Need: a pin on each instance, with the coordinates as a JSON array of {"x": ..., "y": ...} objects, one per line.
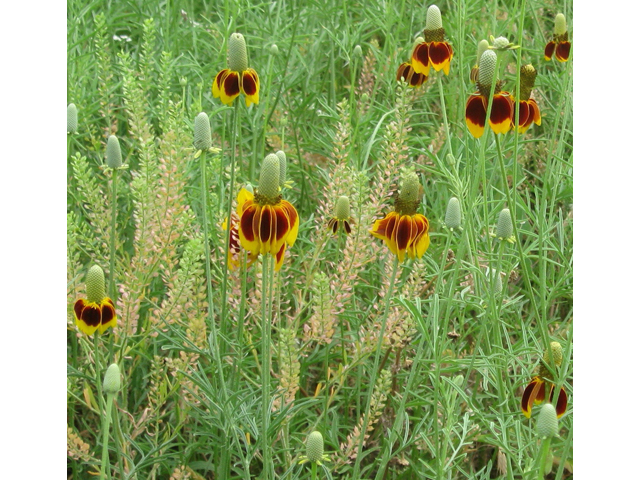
[{"x": 408, "y": 365}]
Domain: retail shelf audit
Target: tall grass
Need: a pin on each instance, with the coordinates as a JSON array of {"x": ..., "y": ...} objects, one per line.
[{"x": 413, "y": 370}]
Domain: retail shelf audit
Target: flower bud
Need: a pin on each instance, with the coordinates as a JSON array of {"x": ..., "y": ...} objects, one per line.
[
  {"x": 357, "y": 51},
  {"x": 547, "y": 425},
  {"x": 269, "y": 185},
  {"x": 237, "y": 60},
  {"x": 487, "y": 66},
  {"x": 500, "y": 43},
  {"x": 458, "y": 379},
  {"x": 434, "y": 18},
  {"x": 497, "y": 281},
  {"x": 315, "y": 447},
  {"x": 95, "y": 285},
  {"x": 342, "y": 210},
  {"x": 202, "y": 132},
  {"x": 72, "y": 118},
  {"x": 183, "y": 81},
  {"x": 114, "y": 154},
  {"x": 453, "y": 217},
  {"x": 504, "y": 230},
  {"x": 282, "y": 158},
  {"x": 560, "y": 25},
  {"x": 273, "y": 49},
  {"x": 111, "y": 384}
]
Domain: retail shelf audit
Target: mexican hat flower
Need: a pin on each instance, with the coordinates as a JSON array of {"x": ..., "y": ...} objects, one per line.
[
  {"x": 341, "y": 216},
  {"x": 539, "y": 386},
  {"x": 501, "y": 114},
  {"x": 410, "y": 76},
  {"x": 529, "y": 110},
  {"x": 404, "y": 231},
  {"x": 238, "y": 77},
  {"x": 560, "y": 43},
  {"x": 434, "y": 51},
  {"x": 97, "y": 312},
  {"x": 267, "y": 222}
]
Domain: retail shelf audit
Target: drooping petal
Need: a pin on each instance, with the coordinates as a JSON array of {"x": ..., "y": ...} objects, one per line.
[
  {"x": 251, "y": 86},
  {"x": 347, "y": 227},
  {"x": 280, "y": 256},
  {"x": 263, "y": 228},
  {"x": 420, "y": 59},
  {"x": 87, "y": 316},
  {"x": 280, "y": 228},
  {"x": 562, "y": 51},
  {"x": 229, "y": 86},
  {"x": 294, "y": 222},
  {"x": 421, "y": 241},
  {"x": 440, "y": 55},
  {"x": 410, "y": 76},
  {"x": 384, "y": 230},
  {"x": 216, "y": 87},
  {"x": 501, "y": 113},
  {"x": 561, "y": 406},
  {"x": 108, "y": 318},
  {"x": 535, "y": 110},
  {"x": 404, "y": 234},
  {"x": 531, "y": 394},
  {"x": 248, "y": 237},
  {"x": 244, "y": 196},
  {"x": 548, "y": 50},
  {"x": 525, "y": 116},
  {"x": 333, "y": 225},
  {"x": 476, "y": 114}
]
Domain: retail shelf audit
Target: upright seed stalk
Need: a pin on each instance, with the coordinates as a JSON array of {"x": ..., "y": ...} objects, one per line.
[{"x": 267, "y": 292}]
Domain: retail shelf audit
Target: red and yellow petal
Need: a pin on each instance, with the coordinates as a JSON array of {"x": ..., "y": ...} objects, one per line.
[
  {"x": 405, "y": 233},
  {"x": 420, "y": 59},
  {"x": 226, "y": 85},
  {"x": 421, "y": 241},
  {"x": 243, "y": 197},
  {"x": 535, "y": 111},
  {"x": 294, "y": 222},
  {"x": 476, "y": 114},
  {"x": 440, "y": 55},
  {"x": 248, "y": 239},
  {"x": 501, "y": 113},
  {"x": 87, "y": 316},
  {"x": 108, "y": 318},
  {"x": 535, "y": 392},
  {"x": 251, "y": 86},
  {"x": 384, "y": 230},
  {"x": 561, "y": 406},
  {"x": 279, "y": 256},
  {"x": 410, "y": 76},
  {"x": 548, "y": 50},
  {"x": 563, "y": 49}
]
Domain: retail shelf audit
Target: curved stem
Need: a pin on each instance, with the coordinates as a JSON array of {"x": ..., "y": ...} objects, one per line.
[{"x": 105, "y": 436}]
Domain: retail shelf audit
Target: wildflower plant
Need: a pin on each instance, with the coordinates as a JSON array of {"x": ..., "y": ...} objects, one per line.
[
  {"x": 560, "y": 43},
  {"x": 237, "y": 77},
  {"x": 97, "y": 311}
]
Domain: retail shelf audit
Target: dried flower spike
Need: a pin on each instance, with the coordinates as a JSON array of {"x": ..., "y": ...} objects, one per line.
[
  {"x": 238, "y": 77},
  {"x": 97, "y": 312}
]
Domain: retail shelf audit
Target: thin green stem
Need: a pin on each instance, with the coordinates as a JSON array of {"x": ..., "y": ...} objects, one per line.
[
  {"x": 544, "y": 453},
  {"x": 374, "y": 370},
  {"x": 445, "y": 121},
  {"x": 112, "y": 239},
  {"x": 105, "y": 438},
  {"x": 267, "y": 276}
]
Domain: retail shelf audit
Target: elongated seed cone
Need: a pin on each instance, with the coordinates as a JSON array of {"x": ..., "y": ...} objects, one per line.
[
  {"x": 315, "y": 447},
  {"x": 410, "y": 188},
  {"x": 483, "y": 46},
  {"x": 237, "y": 60},
  {"x": 487, "y": 66},
  {"x": 114, "y": 154},
  {"x": 528, "y": 76},
  {"x": 342, "y": 210},
  {"x": 95, "y": 285},
  {"x": 547, "y": 425},
  {"x": 269, "y": 186},
  {"x": 111, "y": 383},
  {"x": 434, "y": 18},
  {"x": 282, "y": 157},
  {"x": 72, "y": 118},
  {"x": 556, "y": 353},
  {"x": 560, "y": 25},
  {"x": 504, "y": 229},
  {"x": 453, "y": 217},
  {"x": 202, "y": 132}
]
